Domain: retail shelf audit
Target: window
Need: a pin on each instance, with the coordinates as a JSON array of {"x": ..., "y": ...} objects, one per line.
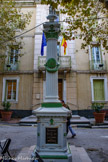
[
  {"x": 58, "y": 49},
  {"x": 99, "y": 88},
  {"x": 96, "y": 56},
  {"x": 11, "y": 63},
  {"x": 10, "y": 89},
  {"x": 13, "y": 57},
  {"x": 97, "y": 60}
]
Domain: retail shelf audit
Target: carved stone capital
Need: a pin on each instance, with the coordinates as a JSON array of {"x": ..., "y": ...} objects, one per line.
[{"x": 52, "y": 30}]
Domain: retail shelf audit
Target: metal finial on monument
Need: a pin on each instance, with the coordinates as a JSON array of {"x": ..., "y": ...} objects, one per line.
[
  {"x": 52, "y": 14},
  {"x": 51, "y": 10}
]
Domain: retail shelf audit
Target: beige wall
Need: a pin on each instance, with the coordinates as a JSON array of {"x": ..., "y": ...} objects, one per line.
[
  {"x": 71, "y": 93},
  {"x": 37, "y": 90},
  {"x": 78, "y": 90},
  {"x": 83, "y": 91},
  {"x": 24, "y": 94},
  {"x": 32, "y": 24},
  {"x": 26, "y": 61},
  {"x": 82, "y": 56}
]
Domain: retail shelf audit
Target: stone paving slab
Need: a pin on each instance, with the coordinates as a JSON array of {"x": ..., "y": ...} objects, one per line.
[
  {"x": 75, "y": 156},
  {"x": 83, "y": 155},
  {"x": 100, "y": 126},
  {"x": 78, "y": 154}
]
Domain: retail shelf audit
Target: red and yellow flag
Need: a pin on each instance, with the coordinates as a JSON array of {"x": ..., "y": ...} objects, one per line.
[{"x": 64, "y": 43}]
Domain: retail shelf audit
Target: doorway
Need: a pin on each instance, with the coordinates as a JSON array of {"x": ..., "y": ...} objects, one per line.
[{"x": 60, "y": 89}]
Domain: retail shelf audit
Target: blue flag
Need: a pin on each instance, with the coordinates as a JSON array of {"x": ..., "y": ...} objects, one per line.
[{"x": 44, "y": 43}]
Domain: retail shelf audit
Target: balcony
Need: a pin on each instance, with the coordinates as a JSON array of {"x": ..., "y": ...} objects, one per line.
[
  {"x": 98, "y": 66},
  {"x": 64, "y": 61},
  {"x": 11, "y": 67}
]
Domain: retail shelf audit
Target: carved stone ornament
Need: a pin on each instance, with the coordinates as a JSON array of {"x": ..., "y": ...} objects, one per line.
[
  {"x": 52, "y": 31},
  {"x": 52, "y": 65}
]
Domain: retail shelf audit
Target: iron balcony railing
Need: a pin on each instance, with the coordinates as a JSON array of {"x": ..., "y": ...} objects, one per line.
[
  {"x": 98, "y": 66},
  {"x": 11, "y": 67},
  {"x": 64, "y": 61}
]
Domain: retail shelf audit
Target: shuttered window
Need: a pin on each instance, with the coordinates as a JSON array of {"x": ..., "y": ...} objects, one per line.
[
  {"x": 98, "y": 86},
  {"x": 13, "y": 56},
  {"x": 11, "y": 89},
  {"x": 96, "y": 56}
]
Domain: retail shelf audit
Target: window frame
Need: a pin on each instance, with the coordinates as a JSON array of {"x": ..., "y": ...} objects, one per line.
[
  {"x": 94, "y": 55},
  {"x": 95, "y": 44},
  {"x": 13, "y": 54},
  {"x": 105, "y": 88},
  {"x": 58, "y": 49},
  {"x": 4, "y": 88}
]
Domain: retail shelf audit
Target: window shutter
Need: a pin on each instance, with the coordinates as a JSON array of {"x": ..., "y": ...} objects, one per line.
[{"x": 99, "y": 90}]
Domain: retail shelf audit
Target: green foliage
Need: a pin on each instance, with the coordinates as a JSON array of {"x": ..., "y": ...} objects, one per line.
[
  {"x": 6, "y": 105},
  {"x": 97, "y": 107},
  {"x": 11, "y": 20},
  {"x": 84, "y": 20}
]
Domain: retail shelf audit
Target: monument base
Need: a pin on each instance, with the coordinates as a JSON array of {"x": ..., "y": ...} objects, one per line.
[{"x": 51, "y": 133}]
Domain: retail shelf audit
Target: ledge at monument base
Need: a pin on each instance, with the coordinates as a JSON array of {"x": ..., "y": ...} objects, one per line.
[{"x": 54, "y": 157}]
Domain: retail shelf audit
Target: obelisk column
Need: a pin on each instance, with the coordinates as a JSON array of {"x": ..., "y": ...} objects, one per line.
[{"x": 51, "y": 30}]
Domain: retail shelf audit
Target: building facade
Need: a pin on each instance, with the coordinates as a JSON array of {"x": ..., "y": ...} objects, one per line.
[{"x": 82, "y": 76}]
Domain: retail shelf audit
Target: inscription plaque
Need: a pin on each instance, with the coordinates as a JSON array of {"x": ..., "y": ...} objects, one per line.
[{"x": 51, "y": 135}]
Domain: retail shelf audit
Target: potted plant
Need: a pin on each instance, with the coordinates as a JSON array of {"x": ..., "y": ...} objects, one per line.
[
  {"x": 6, "y": 113},
  {"x": 98, "y": 115}
]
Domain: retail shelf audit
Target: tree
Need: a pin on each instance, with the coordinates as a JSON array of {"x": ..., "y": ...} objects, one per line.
[
  {"x": 11, "y": 19},
  {"x": 105, "y": 3},
  {"x": 88, "y": 19}
]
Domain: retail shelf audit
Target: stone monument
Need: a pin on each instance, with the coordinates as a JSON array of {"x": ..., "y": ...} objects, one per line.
[{"x": 52, "y": 116}]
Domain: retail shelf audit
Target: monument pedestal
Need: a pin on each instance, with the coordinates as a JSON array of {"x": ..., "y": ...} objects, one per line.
[{"x": 51, "y": 134}]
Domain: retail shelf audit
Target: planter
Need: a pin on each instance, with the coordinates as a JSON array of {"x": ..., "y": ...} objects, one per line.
[
  {"x": 6, "y": 115},
  {"x": 99, "y": 117}
]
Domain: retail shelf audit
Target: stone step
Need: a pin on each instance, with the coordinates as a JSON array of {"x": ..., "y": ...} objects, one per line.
[
  {"x": 78, "y": 154},
  {"x": 80, "y": 120},
  {"x": 75, "y": 120},
  {"x": 75, "y": 117}
]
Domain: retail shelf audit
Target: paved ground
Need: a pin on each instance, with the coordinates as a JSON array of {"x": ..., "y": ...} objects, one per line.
[{"x": 95, "y": 141}]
